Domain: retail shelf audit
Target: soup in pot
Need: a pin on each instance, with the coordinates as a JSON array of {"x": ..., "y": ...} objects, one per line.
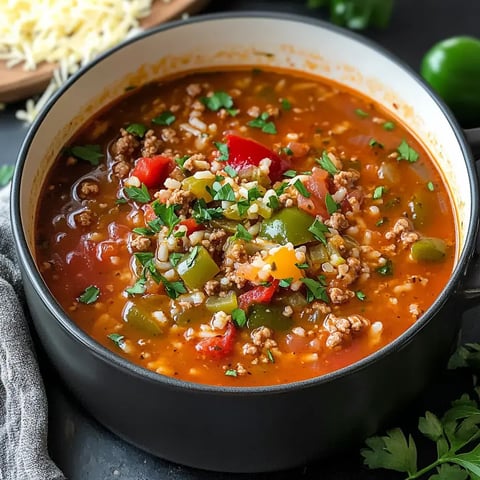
[{"x": 245, "y": 227}]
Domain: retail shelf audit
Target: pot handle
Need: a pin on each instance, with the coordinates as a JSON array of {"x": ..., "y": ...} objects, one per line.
[{"x": 470, "y": 292}]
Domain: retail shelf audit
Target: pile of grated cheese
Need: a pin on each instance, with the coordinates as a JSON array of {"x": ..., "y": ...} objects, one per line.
[{"x": 67, "y": 32}]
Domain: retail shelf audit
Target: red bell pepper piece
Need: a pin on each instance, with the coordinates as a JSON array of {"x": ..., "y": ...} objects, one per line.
[
  {"x": 152, "y": 171},
  {"x": 317, "y": 185},
  {"x": 243, "y": 152},
  {"x": 258, "y": 294},
  {"x": 219, "y": 346},
  {"x": 192, "y": 225}
]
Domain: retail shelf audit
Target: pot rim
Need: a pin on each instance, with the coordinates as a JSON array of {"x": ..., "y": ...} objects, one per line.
[{"x": 132, "y": 369}]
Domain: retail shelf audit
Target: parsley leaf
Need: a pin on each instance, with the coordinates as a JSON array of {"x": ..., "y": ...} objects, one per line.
[
  {"x": 431, "y": 186},
  {"x": 316, "y": 290},
  {"x": 327, "y": 164},
  {"x": 223, "y": 149},
  {"x": 165, "y": 118},
  {"x": 90, "y": 153},
  {"x": 230, "y": 171},
  {"x": 201, "y": 213},
  {"x": 239, "y": 317},
  {"x": 253, "y": 193},
  {"x": 138, "y": 288},
  {"x": 217, "y": 101},
  {"x": 285, "y": 282},
  {"x": 6, "y": 174},
  {"x": 361, "y": 113},
  {"x": 302, "y": 266},
  {"x": 175, "y": 258},
  {"x": 319, "y": 229},
  {"x": 180, "y": 161},
  {"x": 386, "y": 269},
  {"x": 360, "y": 295},
  {"x": 273, "y": 202},
  {"x": 378, "y": 192},
  {"x": 137, "y": 129},
  {"x": 289, "y": 173},
  {"x": 242, "y": 233},
  {"x": 173, "y": 289},
  {"x": 222, "y": 192},
  {"x": 270, "y": 356},
  {"x": 467, "y": 355},
  {"x": 167, "y": 215},
  {"x": 231, "y": 372},
  {"x": 389, "y": 126},
  {"x": 407, "y": 153},
  {"x": 300, "y": 187},
  {"x": 261, "y": 123},
  {"x": 136, "y": 194},
  {"x": 117, "y": 339},
  {"x": 90, "y": 295},
  {"x": 331, "y": 204},
  {"x": 375, "y": 143},
  {"x": 286, "y": 105}
]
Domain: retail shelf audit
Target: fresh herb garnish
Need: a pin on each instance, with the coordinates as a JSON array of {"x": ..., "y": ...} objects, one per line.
[
  {"x": 117, "y": 339},
  {"x": 175, "y": 258},
  {"x": 316, "y": 290},
  {"x": 286, "y": 105},
  {"x": 380, "y": 222},
  {"x": 300, "y": 187},
  {"x": 230, "y": 171},
  {"x": 136, "y": 194},
  {"x": 223, "y": 149},
  {"x": 90, "y": 153},
  {"x": 239, "y": 317},
  {"x": 242, "y": 207},
  {"x": 138, "y": 288},
  {"x": 287, "y": 151},
  {"x": 290, "y": 173},
  {"x": 270, "y": 356},
  {"x": 407, "y": 153},
  {"x": 165, "y": 118},
  {"x": 217, "y": 101},
  {"x": 201, "y": 213},
  {"x": 327, "y": 164},
  {"x": 180, "y": 161},
  {"x": 389, "y": 126},
  {"x": 190, "y": 260},
  {"x": 360, "y": 295},
  {"x": 253, "y": 193},
  {"x": 166, "y": 214},
  {"x": 6, "y": 174},
  {"x": 137, "y": 129},
  {"x": 285, "y": 282},
  {"x": 281, "y": 188},
  {"x": 378, "y": 192},
  {"x": 273, "y": 202},
  {"x": 431, "y": 186},
  {"x": 302, "y": 266},
  {"x": 261, "y": 123},
  {"x": 361, "y": 113},
  {"x": 231, "y": 372},
  {"x": 319, "y": 229},
  {"x": 173, "y": 289},
  {"x": 375, "y": 143},
  {"x": 242, "y": 233},
  {"x": 222, "y": 192},
  {"x": 90, "y": 295},
  {"x": 143, "y": 231},
  {"x": 386, "y": 269},
  {"x": 331, "y": 204}
]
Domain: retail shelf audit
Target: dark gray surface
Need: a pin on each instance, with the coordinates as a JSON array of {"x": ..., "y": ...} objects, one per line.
[{"x": 85, "y": 451}]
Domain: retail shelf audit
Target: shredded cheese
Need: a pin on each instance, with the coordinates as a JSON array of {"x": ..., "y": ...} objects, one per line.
[{"x": 67, "y": 32}]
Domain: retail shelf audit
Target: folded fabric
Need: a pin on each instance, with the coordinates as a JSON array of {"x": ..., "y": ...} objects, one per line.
[{"x": 23, "y": 403}]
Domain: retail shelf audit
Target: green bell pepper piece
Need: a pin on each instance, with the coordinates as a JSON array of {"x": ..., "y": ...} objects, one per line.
[
  {"x": 197, "y": 267},
  {"x": 226, "y": 304},
  {"x": 270, "y": 316},
  {"x": 452, "y": 68},
  {"x": 429, "y": 250},
  {"x": 141, "y": 319},
  {"x": 288, "y": 225}
]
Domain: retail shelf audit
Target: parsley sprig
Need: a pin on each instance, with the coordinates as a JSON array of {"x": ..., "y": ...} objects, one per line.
[
  {"x": 263, "y": 124},
  {"x": 456, "y": 435}
]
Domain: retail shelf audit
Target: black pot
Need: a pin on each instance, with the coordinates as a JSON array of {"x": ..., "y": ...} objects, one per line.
[{"x": 262, "y": 428}]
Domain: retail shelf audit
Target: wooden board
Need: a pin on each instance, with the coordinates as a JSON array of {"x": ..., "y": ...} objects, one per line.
[{"x": 17, "y": 84}]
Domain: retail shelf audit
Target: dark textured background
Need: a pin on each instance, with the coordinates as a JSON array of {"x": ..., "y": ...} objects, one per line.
[{"x": 85, "y": 451}]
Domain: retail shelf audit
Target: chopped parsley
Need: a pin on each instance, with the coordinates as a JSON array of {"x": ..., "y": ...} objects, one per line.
[
  {"x": 286, "y": 105},
  {"x": 273, "y": 202},
  {"x": 378, "y": 192},
  {"x": 279, "y": 190},
  {"x": 190, "y": 260},
  {"x": 261, "y": 123},
  {"x": 90, "y": 295},
  {"x": 242, "y": 207},
  {"x": 253, "y": 194},
  {"x": 431, "y": 186},
  {"x": 239, "y": 317},
  {"x": 180, "y": 161},
  {"x": 360, "y": 295},
  {"x": 327, "y": 164},
  {"x": 117, "y": 339},
  {"x": 175, "y": 258},
  {"x": 201, "y": 213},
  {"x": 386, "y": 269},
  {"x": 167, "y": 215},
  {"x": 316, "y": 290},
  {"x": 223, "y": 149},
  {"x": 137, "y": 129},
  {"x": 361, "y": 113},
  {"x": 230, "y": 171},
  {"x": 219, "y": 100},
  {"x": 285, "y": 282},
  {"x": 290, "y": 173},
  {"x": 242, "y": 233},
  {"x": 300, "y": 187},
  {"x": 140, "y": 195},
  {"x": 287, "y": 151},
  {"x": 231, "y": 372},
  {"x": 144, "y": 231},
  {"x": 331, "y": 204},
  {"x": 165, "y": 118},
  {"x": 375, "y": 143},
  {"x": 222, "y": 192},
  {"x": 302, "y": 266},
  {"x": 173, "y": 289},
  {"x": 90, "y": 153},
  {"x": 380, "y": 222},
  {"x": 389, "y": 126},
  {"x": 138, "y": 288},
  {"x": 270, "y": 356},
  {"x": 319, "y": 229},
  {"x": 407, "y": 153}
]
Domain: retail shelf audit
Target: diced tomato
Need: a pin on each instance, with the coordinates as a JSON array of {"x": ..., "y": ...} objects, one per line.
[
  {"x": 219, "y": 346},
  {"x": 317, "y": 185},
  {"x": 192, "y": 225},
  {"x": 244, "y": 152},
  {"x": 258, "y": 294},
  {"x": 152, "y": 171}
]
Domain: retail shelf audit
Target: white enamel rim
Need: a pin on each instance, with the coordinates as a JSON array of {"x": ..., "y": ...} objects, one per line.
[{"x": 441, "y": 134}]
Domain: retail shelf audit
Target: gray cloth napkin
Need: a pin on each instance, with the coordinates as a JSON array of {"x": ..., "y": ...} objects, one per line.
[{"x": 23, "y": 404}]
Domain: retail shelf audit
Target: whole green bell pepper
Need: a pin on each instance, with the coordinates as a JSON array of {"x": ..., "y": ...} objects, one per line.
[{"x": 452, "y": 68}]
